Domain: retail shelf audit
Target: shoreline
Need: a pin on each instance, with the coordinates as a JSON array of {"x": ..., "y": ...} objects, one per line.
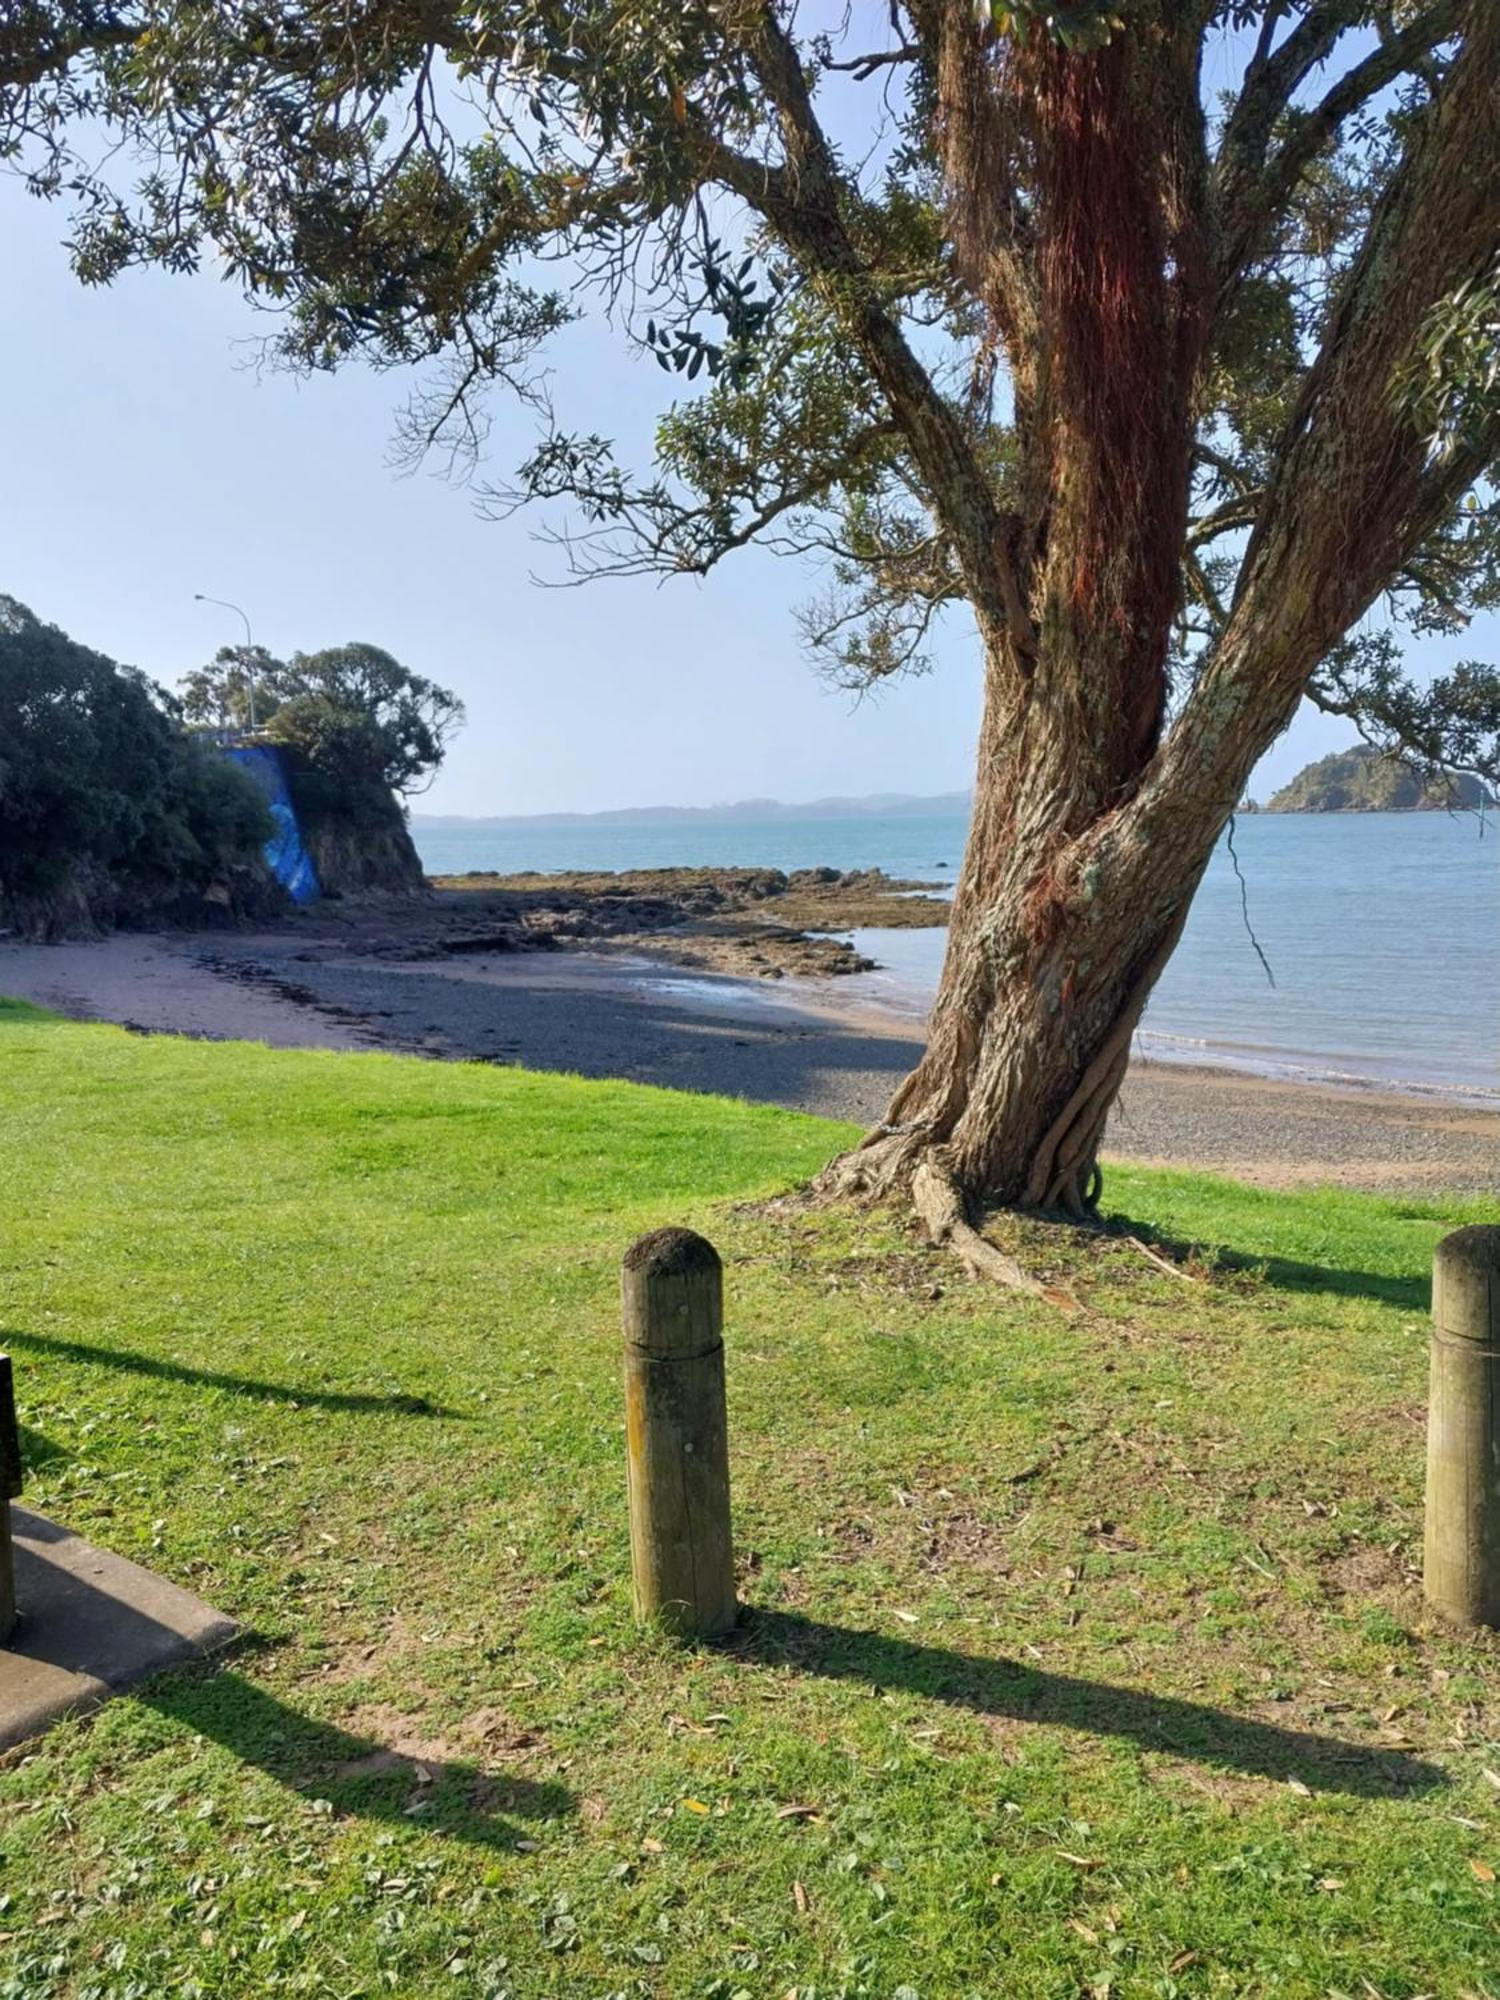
[{"x": 642, "y": 1016}]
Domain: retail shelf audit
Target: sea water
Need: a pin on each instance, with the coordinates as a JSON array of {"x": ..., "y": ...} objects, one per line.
[{"x": 1380, "y": 931}]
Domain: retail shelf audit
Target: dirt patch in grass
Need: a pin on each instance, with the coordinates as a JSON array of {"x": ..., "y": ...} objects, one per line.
[
  {"x": 398, "y": 1645},
  {"x": 397, "y": 1743},
  {"x": 1383, "y": 1576},
  {"x": 493, "y": 1731},
  {"x": 968, "y": 1544},
  {"x": 488, "y": 1740}
]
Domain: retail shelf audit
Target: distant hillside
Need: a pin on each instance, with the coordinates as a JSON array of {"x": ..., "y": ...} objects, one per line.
[
  {"x": 1367, "y": 780},
  {"x": 875, "y": 805}
]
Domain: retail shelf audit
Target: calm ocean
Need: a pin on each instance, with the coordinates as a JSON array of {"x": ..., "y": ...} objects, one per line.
[{"x": 1382, "y": 931}]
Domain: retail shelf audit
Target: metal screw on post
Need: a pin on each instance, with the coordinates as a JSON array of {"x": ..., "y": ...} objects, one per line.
[
  {"x": 672, "y": 1288},
  {"x": 1461, "y": 1555},
  {"x": 10, "y": 1489}
]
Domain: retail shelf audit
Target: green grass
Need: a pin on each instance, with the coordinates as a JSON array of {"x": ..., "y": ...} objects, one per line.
[{"x": 1088, "y": 1647}]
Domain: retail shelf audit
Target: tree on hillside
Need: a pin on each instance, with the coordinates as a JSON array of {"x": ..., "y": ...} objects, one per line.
[
  {"x": 107, "y": 805},
  {"x": 1158, "y": 333},
  {"x": 358, "y": 718},
  {"x": 219, "y": 696}
]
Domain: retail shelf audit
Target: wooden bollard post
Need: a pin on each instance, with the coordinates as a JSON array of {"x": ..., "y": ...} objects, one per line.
[
  {"x": 677, "y": 1437},
  {"x": 10, "y": 1487},
  {"x": 1461, "y": 1554}
]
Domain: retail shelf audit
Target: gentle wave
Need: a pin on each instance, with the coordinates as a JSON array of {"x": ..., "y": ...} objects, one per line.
[{"x": 1200, "y": 1051}]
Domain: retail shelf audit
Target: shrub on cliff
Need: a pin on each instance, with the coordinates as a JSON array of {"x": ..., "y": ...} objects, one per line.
[{"x": 108, "y": 806}]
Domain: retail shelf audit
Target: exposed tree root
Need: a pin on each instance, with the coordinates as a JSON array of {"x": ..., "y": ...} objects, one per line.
[
  {"x": 878, "y": 1169},
  {"x": 939, "y": 1207},
  {"x": 1162, "y": 1263}
]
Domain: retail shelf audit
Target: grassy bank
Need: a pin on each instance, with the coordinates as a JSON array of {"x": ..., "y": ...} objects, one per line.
[{"x": 1083, "y": 1655}]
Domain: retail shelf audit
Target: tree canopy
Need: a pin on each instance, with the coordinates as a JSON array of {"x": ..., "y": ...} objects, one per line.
[
  {"x": 357, "y": 720},
  {"x": 831, "y": 237},
  {"x": 103, "y": 794}
]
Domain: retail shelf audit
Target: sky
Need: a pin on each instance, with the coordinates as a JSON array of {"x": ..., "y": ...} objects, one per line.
[{"x": 147, "y": 457}]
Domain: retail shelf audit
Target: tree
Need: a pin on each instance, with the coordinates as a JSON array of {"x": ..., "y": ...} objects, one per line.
[
  {"x": 106, "y": 801},
  {"x": 219, "y": 695},
  {"x": 359, "y": 721},
  {"x": 1008, "y": 309}
]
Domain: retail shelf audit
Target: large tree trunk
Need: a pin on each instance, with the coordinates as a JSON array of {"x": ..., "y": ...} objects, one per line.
[
  {"x": 1048, "y": 967},
  {"x": 1048, "y": 964}
]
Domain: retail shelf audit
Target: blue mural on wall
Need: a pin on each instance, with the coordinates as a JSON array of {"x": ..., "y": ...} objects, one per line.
[{"x": 286, "y": 857}]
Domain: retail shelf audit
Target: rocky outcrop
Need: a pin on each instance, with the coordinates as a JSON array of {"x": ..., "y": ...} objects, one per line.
[
  {"x": 367, "y": 859},
  {"x": 1370, "y": 780},
  {"x": 755, "y": 922},
  {"x": 87, "y": 903}
]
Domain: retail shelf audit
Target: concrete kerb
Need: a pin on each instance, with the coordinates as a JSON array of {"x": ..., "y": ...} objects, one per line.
[{"x": 91, "y": 1623}]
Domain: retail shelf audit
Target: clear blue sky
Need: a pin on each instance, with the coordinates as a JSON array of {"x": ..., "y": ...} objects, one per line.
[{"x": 145, "y": 459}]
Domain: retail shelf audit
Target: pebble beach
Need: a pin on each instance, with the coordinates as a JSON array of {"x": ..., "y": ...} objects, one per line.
[{"x": 798, "y": 1043}]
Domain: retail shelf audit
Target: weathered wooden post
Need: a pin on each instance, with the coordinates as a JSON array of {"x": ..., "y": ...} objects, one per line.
[
  {"x": 1461, "y": 1554},
  {"x": 677, "y": 1439},
  {"x": 10, "y": 1488}
]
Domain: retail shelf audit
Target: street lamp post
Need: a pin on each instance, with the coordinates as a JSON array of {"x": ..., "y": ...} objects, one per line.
[{"x": 223, "y": 603}]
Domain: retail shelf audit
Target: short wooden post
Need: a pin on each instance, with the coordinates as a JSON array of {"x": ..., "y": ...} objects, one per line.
[
  {"x": 10, "y": 1487},
  {"x": 1461, "y": 1556},
  {"x": 677, "y": 1437}
]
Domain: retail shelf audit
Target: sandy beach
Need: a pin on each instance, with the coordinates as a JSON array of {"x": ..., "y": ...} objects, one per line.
[{"x": 807, "y": 1044}]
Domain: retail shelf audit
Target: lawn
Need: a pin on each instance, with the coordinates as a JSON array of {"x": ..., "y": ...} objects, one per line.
[{"x": 1082, "y": 1654}]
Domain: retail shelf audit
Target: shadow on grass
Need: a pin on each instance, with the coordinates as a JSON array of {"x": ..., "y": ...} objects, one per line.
[
  {"x": 358, "y": 1776},
  {"x": 1406, "y": 1294},
  {"x": 38, "y": 1450},
  {"x": 22, "y": 1014},
  {"x": 1008, "y": 1688},
  {"x": 207, "y": 1378}
]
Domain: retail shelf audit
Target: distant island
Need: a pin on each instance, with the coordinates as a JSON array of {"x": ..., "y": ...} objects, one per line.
[
  {"x": 1369, "y": 780},
  {"x": 874, "y": 805}
]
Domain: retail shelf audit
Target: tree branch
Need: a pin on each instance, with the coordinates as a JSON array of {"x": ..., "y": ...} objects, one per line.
[
  {"x": 651, "y": 532},
  {"x": 862, "y": 68},
  {"x": 1356, "y": 488},
  {"x": 1262, "y": 197},
  {"x": 38, "y": 41},
  {"x": 804, "y": 200},
  {"x": 1253, "y": 183},
  {"x": 1238, "y": 512},
  {"x": 1270, "y": 82}
]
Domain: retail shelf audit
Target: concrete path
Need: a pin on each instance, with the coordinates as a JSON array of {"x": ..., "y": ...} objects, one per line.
[{"x": 90, "y": 1624}]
